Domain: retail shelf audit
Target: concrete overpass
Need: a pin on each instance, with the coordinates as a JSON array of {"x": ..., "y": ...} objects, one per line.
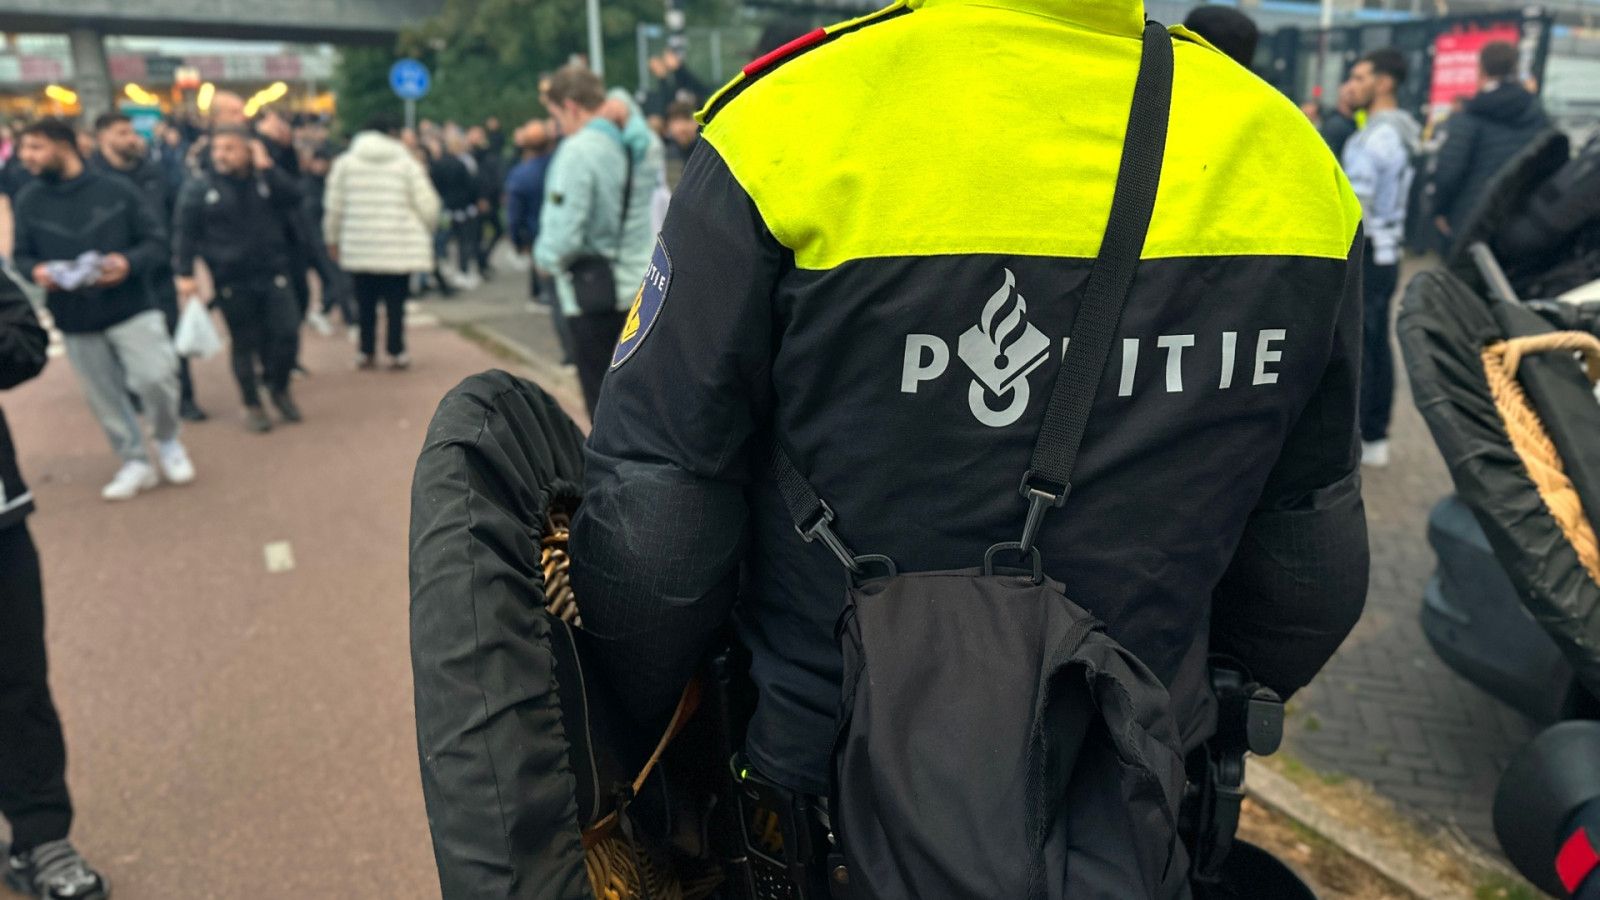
[{"x": 86, "y": 22}]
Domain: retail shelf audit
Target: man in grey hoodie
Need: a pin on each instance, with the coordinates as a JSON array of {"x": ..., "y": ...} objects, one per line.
[{"x": 1378, "y": 162}]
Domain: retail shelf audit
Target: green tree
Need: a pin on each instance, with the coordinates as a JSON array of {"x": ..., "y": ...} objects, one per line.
[{"x": 487, "y": 55}]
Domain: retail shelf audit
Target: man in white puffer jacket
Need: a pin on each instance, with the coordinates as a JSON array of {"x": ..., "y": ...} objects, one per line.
[{"x": 379, "y": 216}]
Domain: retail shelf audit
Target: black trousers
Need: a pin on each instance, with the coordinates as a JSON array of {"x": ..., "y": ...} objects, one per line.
[
  {"x": 335, "y": 283},
  {"x": 468, "y": 235},
  {"x": 542, "y": 288},
  {"x": 594, "y": 341},
  {"x": 264, "y": 324},
  {"x": 497, "y": 230},
  {"x": 1377, "y": 354},
  {"x": 390, "y": 290},
  {"x": 33, "y": 755}
]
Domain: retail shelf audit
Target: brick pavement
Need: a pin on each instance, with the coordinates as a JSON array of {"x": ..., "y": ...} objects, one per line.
[{"x": 1386, "y": 710}]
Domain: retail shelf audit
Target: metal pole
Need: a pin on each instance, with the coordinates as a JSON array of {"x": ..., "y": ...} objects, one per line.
[
  {"x": 1323, "y": 39},
  {"x": 411, "y": 115},
  {"x": 597, "y": 58},
  {"x": 675, "y": 20},
  {"x": 91, "y": 72},
  {"x": 643, "y": 41}
]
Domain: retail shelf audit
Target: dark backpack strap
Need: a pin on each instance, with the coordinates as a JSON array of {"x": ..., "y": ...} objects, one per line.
[
  {"x": 627, "y": 197},
  {"x": 1048, "y": 480},
  {"x": 813, "y": 518}
]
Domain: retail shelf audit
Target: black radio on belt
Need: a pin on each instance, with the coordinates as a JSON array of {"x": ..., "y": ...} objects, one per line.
[
  {"x": 785, "y": 839},
  {"x": 779, "y": 847},
  {"x": 1249, "y": 720}
]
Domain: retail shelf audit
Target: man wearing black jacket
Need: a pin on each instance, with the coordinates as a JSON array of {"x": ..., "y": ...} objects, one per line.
[
  {"x": 90, "y": 240},
  {"x": 33, "y": 760},
  {"x": 236, "y": 217},
  {"x": 1496, "y": 124},
  {"x": 122, "y": 153}
]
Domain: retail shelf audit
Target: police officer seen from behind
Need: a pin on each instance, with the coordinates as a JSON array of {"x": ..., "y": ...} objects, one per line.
[
  {"x": 236, "y": 218},
  {"x": 886, "y": 298}
]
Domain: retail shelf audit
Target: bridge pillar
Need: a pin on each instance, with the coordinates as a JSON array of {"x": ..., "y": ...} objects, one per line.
[{"x": 92, "y": 72}]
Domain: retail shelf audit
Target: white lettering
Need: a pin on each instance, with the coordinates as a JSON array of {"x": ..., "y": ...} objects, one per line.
[
  {"x": 1230, "y": 343},
  {"x": 998, "y": 418},
  {"x": 915, "y": 372},
  {"x": 1066, "y": 344},
  {"x": 1130, "y": 362},
  {"x": 1174, "y": 344},
  {"x": 1265, "y": 355}
]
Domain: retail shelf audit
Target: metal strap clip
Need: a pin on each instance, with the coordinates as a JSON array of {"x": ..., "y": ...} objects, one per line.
[
  {"x": 1039, "y": 503},
  {"x": 822, "y": 530}
]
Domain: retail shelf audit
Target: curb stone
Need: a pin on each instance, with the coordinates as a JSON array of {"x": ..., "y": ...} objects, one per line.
[{"x": 1277, "y": 793}]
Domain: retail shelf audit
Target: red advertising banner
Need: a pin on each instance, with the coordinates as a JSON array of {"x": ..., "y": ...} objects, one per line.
[{"x": 1455, "y": 61}]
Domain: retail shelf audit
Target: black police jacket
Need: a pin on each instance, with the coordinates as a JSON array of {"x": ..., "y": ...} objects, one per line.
[
  {"x": 240, "y": 225},
  {"x": 22, "y": 356},
  {"x": 885, "y": 292}
]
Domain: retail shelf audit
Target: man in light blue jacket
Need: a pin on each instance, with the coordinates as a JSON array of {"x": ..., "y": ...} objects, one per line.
[
  {"x": 594, "y": 212},
  {"x": 1378, "y": 161}
]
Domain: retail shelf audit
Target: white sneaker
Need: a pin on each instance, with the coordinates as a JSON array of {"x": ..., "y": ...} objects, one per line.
[
  {"x": 175, "y": 463},
  {"x": 131, "y": 479},
  {"x": 319, "y": 323},
  {"x": 1375, "y": 454}
]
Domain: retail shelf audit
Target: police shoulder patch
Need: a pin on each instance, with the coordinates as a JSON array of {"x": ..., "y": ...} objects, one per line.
[{"x": 646, "y": 305}]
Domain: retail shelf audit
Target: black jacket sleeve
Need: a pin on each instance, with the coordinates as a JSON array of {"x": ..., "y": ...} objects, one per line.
[
  {"x": 1454, "y": 161},
  {"x": 663, "y": 525},
  {"x": 149, "y": 247},
  {"x": 1298, "y": 580},
  {"x": 24, "y": 249},
  {"x": 186, "y": 226},
  {"x": 287, "y": 192},
  {"x": 23, "y": 340}
]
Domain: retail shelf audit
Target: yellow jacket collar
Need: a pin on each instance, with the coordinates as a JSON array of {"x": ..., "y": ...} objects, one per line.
[{"x": 1111, "y": 16}]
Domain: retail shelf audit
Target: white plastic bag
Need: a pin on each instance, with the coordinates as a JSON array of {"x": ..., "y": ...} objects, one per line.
[{"x": 197, "y": 335}]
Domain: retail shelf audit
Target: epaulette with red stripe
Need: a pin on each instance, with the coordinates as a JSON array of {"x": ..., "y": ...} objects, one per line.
[{"x": 796, "y": 48}]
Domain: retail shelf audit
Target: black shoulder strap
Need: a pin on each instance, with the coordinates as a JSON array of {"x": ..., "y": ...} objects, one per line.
[
  {"x": 1049, "y": 478},
  {"x": 627, "y": 196}
]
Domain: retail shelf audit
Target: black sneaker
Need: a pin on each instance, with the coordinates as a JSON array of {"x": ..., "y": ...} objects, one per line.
[
  {"x": 257, "y": 420},
  {"x": 55, "y": 871},
  {"x": 189, "y": 411},
  {"x": 286, "y": 406}
]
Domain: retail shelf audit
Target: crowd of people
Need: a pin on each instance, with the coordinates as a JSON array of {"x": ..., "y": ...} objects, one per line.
[
  {"x": 265, "y": 220},
  {"x": 255, "y": 216}
]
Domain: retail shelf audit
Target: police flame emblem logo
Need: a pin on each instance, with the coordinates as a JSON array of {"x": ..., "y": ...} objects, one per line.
[{"x": 1002, "y": 350}]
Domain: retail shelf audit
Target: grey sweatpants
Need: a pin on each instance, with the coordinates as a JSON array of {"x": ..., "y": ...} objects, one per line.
[{"x": 134, "y": 356}]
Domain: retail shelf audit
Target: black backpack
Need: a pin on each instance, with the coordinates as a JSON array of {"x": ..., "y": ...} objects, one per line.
[{"x": 993, "y": 741}]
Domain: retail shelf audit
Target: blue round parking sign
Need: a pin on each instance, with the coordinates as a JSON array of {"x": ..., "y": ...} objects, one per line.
[{"x": 410, "y": 79}]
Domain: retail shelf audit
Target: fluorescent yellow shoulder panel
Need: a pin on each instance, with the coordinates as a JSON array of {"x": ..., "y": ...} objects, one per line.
[{"x": 847, "y": 158}]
